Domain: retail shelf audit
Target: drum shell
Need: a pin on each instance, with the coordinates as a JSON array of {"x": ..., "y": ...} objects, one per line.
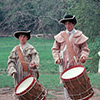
[
  {"x": 78, "y": 87},
  {"x": 34, "y": 92}
]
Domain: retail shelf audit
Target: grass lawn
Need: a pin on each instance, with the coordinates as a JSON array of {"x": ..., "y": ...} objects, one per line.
[{"x": 49, "y": 73}]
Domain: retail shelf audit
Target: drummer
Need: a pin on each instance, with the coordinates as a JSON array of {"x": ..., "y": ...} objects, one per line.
[
  {"x": 15, "y": 68},
  {"x": 78, "y": 42}
]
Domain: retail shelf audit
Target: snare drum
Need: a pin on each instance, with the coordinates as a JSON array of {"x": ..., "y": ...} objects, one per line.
[
  {"x": 30, "y": 89},
  {"x": 77, "y": 83}
]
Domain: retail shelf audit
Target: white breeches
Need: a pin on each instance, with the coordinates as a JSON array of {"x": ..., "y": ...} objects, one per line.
[{"x": 66, "y": 94}]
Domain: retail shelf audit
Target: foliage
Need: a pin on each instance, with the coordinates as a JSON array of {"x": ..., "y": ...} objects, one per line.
[
  {"x": 94, "y": 46},
  {"x": 87, "y": 12},
  {"x": 35, "y": 15},
  {"x": 42, "y": 16}
]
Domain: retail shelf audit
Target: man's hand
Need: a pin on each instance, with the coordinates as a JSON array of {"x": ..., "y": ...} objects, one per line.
[
  {"x": 83, "y": 59},
  {"x": 32, "y": 65},
  {"x": 59, "y": 61},
  {"x": 13, "y": 75}
]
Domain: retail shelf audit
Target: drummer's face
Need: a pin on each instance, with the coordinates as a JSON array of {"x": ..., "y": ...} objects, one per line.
[
  {"x": 22, "y": 39},
  {"x": 69, "y": 26}
]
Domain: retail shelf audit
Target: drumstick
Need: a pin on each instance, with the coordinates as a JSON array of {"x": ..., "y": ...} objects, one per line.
[
  {"x": 60, "y": 58},
  {"x": 29, "y": 63},
  {"x": 89, "y": 58}
]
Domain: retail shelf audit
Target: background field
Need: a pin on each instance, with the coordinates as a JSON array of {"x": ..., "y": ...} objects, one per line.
[{"x": 49, "y": 74}]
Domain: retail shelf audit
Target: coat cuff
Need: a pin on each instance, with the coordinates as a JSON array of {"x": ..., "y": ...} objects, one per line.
[{"x": 11, "y": 71}]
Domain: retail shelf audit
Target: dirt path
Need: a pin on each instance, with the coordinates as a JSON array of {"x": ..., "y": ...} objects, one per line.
[{"x": 6, "y": 94}]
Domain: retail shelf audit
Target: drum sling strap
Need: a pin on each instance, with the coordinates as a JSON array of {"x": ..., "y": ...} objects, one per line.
[
  {"x": 24, "y": 65},
  {"x": 70, "y": 49}
]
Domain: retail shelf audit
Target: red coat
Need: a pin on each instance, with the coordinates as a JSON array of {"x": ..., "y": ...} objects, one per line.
[{"x": 79, "y": 45}]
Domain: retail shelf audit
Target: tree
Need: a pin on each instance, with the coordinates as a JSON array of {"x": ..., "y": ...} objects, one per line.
[
  {"x": 42, "y": 16},
  {"x": 36, "y": 16}
]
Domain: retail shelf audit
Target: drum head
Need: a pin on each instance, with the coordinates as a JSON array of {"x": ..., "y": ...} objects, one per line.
[
  {"x": 72, "y": 72},
  {"x": 25, "y": 85}
]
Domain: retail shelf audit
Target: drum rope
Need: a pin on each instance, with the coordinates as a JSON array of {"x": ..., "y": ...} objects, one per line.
[
  {"x": 86, "y": 91},
  {"x": 72, "y": 96},
  {"x": 43, "y": 90},
  {"x": 40, "y": 94},
  {"x": 83, "y": 92},
  {"x": 73, "y": 90},
  {"x": 86, "y": 81},
  {"x": 79, "y": 94},
  {"x": 23, "y": 97},
  {"x": 28, "y": 90}
]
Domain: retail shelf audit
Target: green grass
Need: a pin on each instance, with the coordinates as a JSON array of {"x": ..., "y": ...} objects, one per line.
[
  {"x": 95, "y": 80},
  {"x": 49, "y": 73},
  {"x": 50, "y": 81},
  {"x": 6, "y": 81}
]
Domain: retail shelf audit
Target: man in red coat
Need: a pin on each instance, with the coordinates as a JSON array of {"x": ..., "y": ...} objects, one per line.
[{"x": 78, "y": 42}]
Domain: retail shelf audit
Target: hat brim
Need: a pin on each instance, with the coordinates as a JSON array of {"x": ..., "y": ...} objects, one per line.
[
  {"x": 18, "y": 33},
  {"x": 73, "y": 21}
]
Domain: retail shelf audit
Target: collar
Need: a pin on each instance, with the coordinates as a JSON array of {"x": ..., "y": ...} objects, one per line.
[
  {"x": 72, "y": 32},
  {"x": 23, "y": 47}
]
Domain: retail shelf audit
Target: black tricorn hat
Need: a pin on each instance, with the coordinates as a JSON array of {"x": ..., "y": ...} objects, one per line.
[
  {"x": 69, "y": 18},
  {"x": 27, "y": 33}
]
